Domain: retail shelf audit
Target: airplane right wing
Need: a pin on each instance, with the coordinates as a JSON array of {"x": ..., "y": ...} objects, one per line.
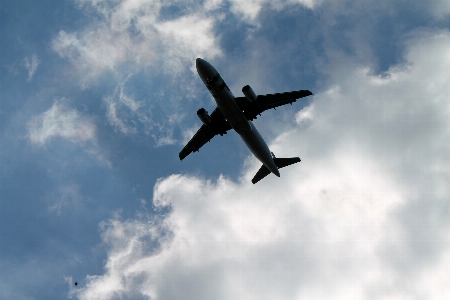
[
  {"x": 265, "y": 102},
  {"x": 217, "y": 126}
]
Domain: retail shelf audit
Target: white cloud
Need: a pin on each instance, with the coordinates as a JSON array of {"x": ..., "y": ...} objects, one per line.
[
  {"x": 249, "y": 9},
  {"x": 133, "y": 34},
  {"x": 136, "y": 37},
  {"x": 31, "y": 64},
  {"x": 188, "y": 133},
  {"x": 116, "y": 107},
  {"x": 363, "y": 216},
  {"x": 213, "y": 4},
  {"x": 61, "y": 121},
  {"x": 186, "y": 38},
  {"x": 132, "y": 117}
]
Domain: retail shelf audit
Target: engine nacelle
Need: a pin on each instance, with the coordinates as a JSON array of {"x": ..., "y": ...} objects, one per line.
[
  {"x": 203, "y": 116},
  {"x": 249, "y": 93}
]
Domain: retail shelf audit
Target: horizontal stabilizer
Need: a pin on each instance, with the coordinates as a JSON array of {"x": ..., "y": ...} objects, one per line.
[
  {"x": 280, "y": 162},
  {"x": 284, "y": 162}
]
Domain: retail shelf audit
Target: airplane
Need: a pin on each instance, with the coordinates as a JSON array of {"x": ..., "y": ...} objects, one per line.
[{"x": 237, "y": 113}]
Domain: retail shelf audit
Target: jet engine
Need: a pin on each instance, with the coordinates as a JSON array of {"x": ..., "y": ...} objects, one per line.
[
  {"x": 249, "y": 93},
  {"x": 203, "y": 116}
]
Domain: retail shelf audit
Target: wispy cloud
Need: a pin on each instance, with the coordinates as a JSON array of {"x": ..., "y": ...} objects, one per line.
[
  {"x": 62, "y": 121},
  {"x": 249, "y": 10},
  {"x": 119, "y": 107},
  {"x": 343, "y": 221},
  {"x": 136, "y": 34},
  {"x": 188, "y": 133},
  {"x": 131, "y": 117},
  {"x": 137, "y": 37},
  {"x": 31, "y": 64},
  {"x": 67, "y": 196}
]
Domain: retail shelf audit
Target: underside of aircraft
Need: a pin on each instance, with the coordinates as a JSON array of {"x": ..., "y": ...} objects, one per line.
[{"x": 237, "y": 113}]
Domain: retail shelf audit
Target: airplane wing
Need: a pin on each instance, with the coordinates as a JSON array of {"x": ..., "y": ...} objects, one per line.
[
  {"x": 217, "y": 126},
  {"x": 265, "y": 102}
]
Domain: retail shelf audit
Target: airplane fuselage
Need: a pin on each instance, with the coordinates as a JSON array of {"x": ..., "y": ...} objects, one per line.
[{"x": 227, "y": 104}]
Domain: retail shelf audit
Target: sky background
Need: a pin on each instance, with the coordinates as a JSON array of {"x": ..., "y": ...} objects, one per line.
[{"x": 98, "y": 98}]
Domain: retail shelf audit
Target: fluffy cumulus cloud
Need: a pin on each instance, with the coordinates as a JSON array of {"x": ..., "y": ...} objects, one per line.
[{"x": 363, "y": 216}]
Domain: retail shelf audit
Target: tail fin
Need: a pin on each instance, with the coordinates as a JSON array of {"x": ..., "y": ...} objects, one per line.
[{"x": 280, "y": 162}]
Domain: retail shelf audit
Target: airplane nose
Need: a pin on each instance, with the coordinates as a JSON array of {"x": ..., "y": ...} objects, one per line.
[
  {"x": 199, "y": 63},
  {"x": 204, "y": 69}
]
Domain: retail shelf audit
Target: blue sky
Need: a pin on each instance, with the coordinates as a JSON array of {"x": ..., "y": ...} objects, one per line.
[{"x": 98, "y": 98}]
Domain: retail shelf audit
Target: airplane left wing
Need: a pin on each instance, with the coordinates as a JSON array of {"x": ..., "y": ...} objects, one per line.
[
  {"x": 217, "y": 126},
  {"x": 265, "y": 102}
]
